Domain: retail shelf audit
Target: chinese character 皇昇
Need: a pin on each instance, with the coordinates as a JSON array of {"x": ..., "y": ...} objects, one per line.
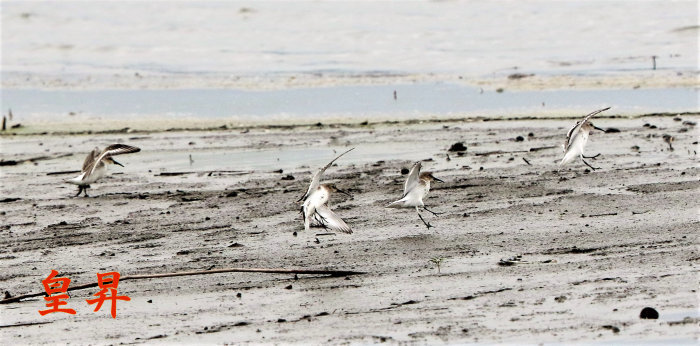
[
  {"x": 52, "y": 285},
  {"x": 108, "y": 282}
]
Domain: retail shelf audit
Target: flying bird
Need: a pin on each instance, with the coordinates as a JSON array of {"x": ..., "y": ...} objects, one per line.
[
  {"x": 576, "y": 140},
  {"x": 415, "y": 189},
  {"x": 315, "y": 203},
  {"x": 94, "y": 166}
]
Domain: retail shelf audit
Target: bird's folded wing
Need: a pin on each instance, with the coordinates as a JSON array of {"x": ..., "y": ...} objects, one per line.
[
  {"x": 412, "y": 180},
  {"x": 112, "y": 150},
  {"x": 327, "y": 218}
]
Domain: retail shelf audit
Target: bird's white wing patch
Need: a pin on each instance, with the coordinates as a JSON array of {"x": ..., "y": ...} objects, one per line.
[
  {"x": 574, "y": 130},
  {"x": 316, "y": 178},
  {"x": 328, "y": 219},
  {"x": 412, "y": 179}
]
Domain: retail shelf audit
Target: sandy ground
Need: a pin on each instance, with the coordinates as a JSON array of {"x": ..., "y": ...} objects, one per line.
[{"x": 595, "y": 247}]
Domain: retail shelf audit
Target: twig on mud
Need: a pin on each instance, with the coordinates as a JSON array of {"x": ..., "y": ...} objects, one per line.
[
  {"x": 32, "y": 159},
  {"x": 332, "y": 273},
  {"x": 63, "y": 172},
  {"x": 606, "y": 214},
  {"x": 24, "y": 324},
  {"x": 542, "y": 148},
  {"x": 640, "y": 212},
  {"x": 209, "y": 173},
  {"x": 526, "y": 161},
  {"x": 487, "y": 153}
]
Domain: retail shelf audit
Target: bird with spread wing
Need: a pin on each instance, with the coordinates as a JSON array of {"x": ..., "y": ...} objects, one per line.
[
  {"x": 94, "y": 166},
  {"x": 315, "y": 203},
  {"x": 415, "y": 189},
  {"x": 577, "y": 138}
]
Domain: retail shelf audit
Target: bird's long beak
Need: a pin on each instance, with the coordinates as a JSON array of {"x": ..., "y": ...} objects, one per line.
[
  {"x": 343, "y": 192},
  {"x": 117, "y": 163},
  {"x": 436, "y": 179},
  {"x": 598, "y": 128}
]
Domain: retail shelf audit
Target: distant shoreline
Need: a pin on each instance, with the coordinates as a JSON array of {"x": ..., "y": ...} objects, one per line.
[{"x": 198, "y": 125}]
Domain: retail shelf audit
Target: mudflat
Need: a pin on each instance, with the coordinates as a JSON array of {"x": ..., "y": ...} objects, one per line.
[{"x": 527, "y": 253}]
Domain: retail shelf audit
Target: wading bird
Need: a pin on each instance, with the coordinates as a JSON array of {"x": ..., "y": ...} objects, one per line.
[
  {"x": 576, "y": 140},
  {"x": 414, "y": 190},
  {"x": 316, "y": 206},
  {"x": 94, "y": 166}
]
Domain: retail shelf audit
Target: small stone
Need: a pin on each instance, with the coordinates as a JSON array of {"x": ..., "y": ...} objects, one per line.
[
  {"x": 288, "y": 287},
  {"x": 613, "y": 328},
  {"x": 288, "y": 177},
  {"x": 519, "y": 139},
  {"x": 404, "y": 171},
  {"x": 459, "y": 146},
  {"x": 649, "y": 314}
]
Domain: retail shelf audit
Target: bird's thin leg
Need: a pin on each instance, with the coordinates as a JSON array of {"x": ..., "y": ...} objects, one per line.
[
  {"x": 428, "y": 225},
  {"x": 432, "y": 212},
  {"x": 80, "y": 190},
  {"x": 85, "y": 189},
  {"x": 587, "y": 164},
  {"x": 591, "y": 157},
  {"x": 670, "y": 146},
  {"x": 321, "y": 220}
]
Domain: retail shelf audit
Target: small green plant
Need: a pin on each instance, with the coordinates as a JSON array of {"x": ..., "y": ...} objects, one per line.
[{"x": 437, "y": 261}]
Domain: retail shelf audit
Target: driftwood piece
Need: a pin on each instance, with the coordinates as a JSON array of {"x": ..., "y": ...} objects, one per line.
[
  {"x": 332, "y": 273},
  {"x": 208, "y": 173},
  {"x": 543, "y": 148},
  {"x": 32, "y": 159},
  {"x": 496, "y": 152}
]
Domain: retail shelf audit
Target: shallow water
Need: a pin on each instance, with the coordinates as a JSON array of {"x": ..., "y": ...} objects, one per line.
[
  {"x": 106, "y": 39},
  {"x": 370, "y": 102}
]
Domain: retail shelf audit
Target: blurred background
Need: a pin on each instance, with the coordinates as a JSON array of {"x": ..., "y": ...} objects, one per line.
[{"x": 286, "y": 61}]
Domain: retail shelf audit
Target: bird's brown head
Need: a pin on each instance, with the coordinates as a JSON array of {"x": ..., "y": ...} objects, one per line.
[
  {"x": 334, "y": 188},
  {"x": 588, "y": 126},
  {"x": 429, "y": 177}
]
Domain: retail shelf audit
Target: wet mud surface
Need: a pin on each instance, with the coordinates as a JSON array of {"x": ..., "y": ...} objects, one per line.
[{"x": 528, "y": 253}]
